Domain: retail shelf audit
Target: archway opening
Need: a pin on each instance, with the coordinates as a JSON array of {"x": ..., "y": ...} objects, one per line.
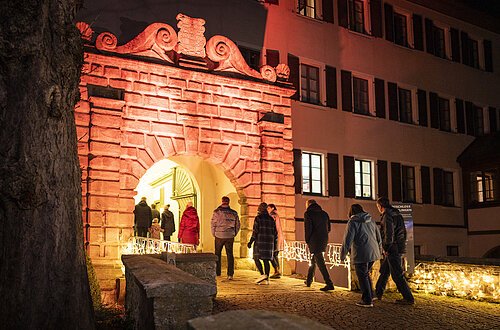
[{"x": 182, "y": 179}]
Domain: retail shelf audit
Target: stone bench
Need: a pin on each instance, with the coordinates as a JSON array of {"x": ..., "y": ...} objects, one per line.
[{"x": 162, "y": 296}]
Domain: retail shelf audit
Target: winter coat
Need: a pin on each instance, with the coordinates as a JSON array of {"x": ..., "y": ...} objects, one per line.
[
  {"x": 225, "y": 222},
  {"x": 142, "y": 215},
  {"x": 316, "y": 228},
  {"x": 189, "y": 227},
  {"x": 155, "y": 230},
  {"x": 265, "y": 236},
  {"x": 363, "y": 234},
  {"x": 167, "y": 223},
  {"x": 393, "y": 231},
  {"x": 277, "y": 220}
]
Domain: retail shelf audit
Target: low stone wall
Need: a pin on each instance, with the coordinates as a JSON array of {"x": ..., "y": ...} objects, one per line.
[
  {"x": 162, "y": 296},
  {"x": 201, "y": 265}
]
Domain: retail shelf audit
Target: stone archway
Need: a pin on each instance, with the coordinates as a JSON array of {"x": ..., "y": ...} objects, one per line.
[{"x": 148, "y": 100}]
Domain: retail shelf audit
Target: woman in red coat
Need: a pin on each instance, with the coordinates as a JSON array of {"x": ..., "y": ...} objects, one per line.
[{"x": 189, "y": 227}]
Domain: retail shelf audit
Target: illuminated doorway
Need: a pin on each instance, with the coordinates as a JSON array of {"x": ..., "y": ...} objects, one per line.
[{"x": 182, "y": 179}]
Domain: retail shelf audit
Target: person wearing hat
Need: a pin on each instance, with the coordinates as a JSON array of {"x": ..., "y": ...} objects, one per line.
[
  {"x": 142, "y": 218},
  {"x": 225, "y": 225}
]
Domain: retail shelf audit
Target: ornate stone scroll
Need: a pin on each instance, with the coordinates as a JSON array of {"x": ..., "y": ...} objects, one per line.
[
  {"x": 157, "y": 40},
  {"x": 86, "y": 31},
  {"x": 191, "y": 36}
]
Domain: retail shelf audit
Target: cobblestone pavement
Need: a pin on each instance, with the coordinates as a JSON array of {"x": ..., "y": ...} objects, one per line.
[{"x": 338, "y": 310}]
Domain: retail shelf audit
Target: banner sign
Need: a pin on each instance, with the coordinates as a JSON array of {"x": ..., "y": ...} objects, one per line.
[{"x": 406, "y": 211}]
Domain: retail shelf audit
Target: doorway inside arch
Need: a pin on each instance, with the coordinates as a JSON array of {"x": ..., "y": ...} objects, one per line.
[{"x": 182, "y": 179}]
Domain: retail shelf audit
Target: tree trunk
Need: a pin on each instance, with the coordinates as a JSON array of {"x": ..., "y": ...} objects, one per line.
[{"x": 43, "y": 277}]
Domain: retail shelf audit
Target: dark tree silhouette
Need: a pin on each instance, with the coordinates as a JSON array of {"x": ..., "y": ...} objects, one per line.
[{"x": 43, "y": 279}]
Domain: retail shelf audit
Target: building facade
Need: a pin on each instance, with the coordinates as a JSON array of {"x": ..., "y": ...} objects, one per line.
[{"x": 389, "y": 94}]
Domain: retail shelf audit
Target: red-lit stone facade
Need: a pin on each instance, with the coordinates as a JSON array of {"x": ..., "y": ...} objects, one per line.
[{"x": 150, "y": 106}]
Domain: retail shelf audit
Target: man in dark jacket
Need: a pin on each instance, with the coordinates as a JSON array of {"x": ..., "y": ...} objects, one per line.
[
  {"x": 167, "y": 223},
  {"x": 142, "y": 218},
  {"x": 155, "y": 213},
  {"x": 317, "y": 227},
  {"x": 393, "y": 232}
]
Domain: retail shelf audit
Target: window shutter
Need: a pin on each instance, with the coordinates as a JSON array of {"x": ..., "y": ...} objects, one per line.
[
  {"x": 376, "y": 17},
  {"x": 333, "y": 175},
  {"x": 297, "y": 170},
  {"x": 346, "y": 85},
  {"x": 438, "y": 185},
  {"x": 418, "y": 33},
  {"x": 425, "y": 175},
  {"x": 389, "y": 22},
  {"x": 294, "y": 65},
  {"x": 392, "y": 91},
  {"x": 459, "y": 106},
  {"x": 382, "y": 179},
  {"x": 469, "y": 116},
  {"x": 272, "y": 57},
  {"x": 331, "y": 87},
  {"x": 488, "y": 56},
  {"x": 429, "y": 36},
  {"x": 349, "y": 188},
  {"x": 434, "y": 106},
  {"x": 464, "y": 38},
  {"x": 327, "y": 7},
  {"x": 422, "y": 108},
  {"x": 396, "y": 181},
  {"x": 379, "y": 98},
  {"x": 273, "y": 2},
  {"x": 342, "y": 9},
  {"x": 301, "y": 4},
  {"x": 455, "y": 45},
  {"x": 493, "y": 120}
]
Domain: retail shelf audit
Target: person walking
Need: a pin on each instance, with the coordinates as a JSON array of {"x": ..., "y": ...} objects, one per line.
[
  {"x": 225, "y": 226},
  {"x": 189, "y": 227},
  {"x": 316, "y": 228},
  {"x": 273, "y": 212},
  {"x": 142, "y": 218},
  {"x": 393, "y": 232},
  {"x": 363, "y": 235},
  {"x": 167, "y": 223},
  {"x": 264, "y": 235}
]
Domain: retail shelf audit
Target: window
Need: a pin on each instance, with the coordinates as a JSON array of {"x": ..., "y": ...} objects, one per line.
[
  {"x": 444, "y": 114},
  {"x": 478, "y": 121},
  {"x": 400, "y": 29},
  {"x": 309, "y": 84},
  {"x": 363, "y": 179},
  {"x": 473, "y": 53},
  {"x": 405, "y": 112},
  {"x": 484, "y": 186},
  {"x": 448, "y": 191},
  {"x": 251, "y": 56},
  {"x": 452, "y": 250},
  {"x": 360, "y": 94},
  {"x": 312, "y": 173},
  {"x": 408, "y": 182},
  {"x": 439, "y": 42},
  {"x": 357, "y": 15},
  {"x": 307, "y": 8}
]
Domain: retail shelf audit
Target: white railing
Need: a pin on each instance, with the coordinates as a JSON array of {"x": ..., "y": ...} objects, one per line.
[
  {"x": 143, "y": 245},
  {"x": 298, "y": 251}
]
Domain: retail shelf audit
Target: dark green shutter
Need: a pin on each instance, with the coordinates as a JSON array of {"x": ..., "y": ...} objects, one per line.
[
  {"x": 349, "y": 183},
  {"x": 455, "y": 45},
  {"x": 488, "y": 56},
  {"x": 396, "y": 181},
  {"x": 493, "y": 119},
  {"x": 297, "y": 170},
  {"x": 331, "y": 87},
  {"x": 392, "y": 93},
  {"x": 422, "y": 108},
  {"x": 327, "y": 7},
  {"x": 376, "y": 17},
  {"x": 469, "y": 116},
  {"x": 464, "y": 38},
  {"x": 380, "y": 98},
  {"x": 382, "y": 179},
  {"x": 434, "y": 107},
  {"x": 418, "y": 32},
  {"x": 389, "y": 22},
  {"x": 272, "y": 57},
  {"x": 438, "y": 186},
  {"x": 459, "y": 106},
  {"x": 425, "y": 175},
  {"x": 429, "y": 36},
  {"x": 294, "y": 65},
  {"x": 333, "y": 175},
  {"x": 343, "y": 14},
  {"x": 346, "y": 85}
]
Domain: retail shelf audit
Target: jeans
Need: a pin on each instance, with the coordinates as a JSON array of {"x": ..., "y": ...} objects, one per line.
[
  {"x": 318, "y": 258},
  {"x": 142, "y": 231},
  {"x": 391, "y": 265},
  {"x": 365, "y": 282},
  {"x": 275, "y": 261},
  {"x": 227, "y": 243}
]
